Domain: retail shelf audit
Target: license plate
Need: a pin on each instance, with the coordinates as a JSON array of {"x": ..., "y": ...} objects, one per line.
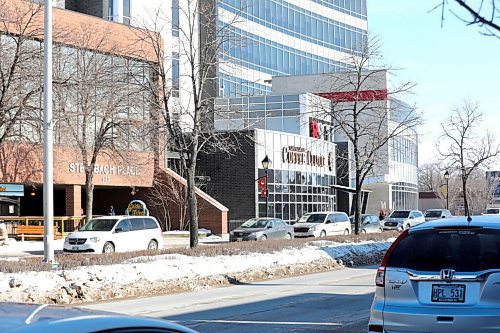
[
  {"x": 75, "y": 248},
  {"x": 453, "y": 293},
  {"x": 239, "y": 239}
]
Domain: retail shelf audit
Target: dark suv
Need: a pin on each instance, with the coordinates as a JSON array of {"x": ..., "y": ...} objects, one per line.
[{"x": 441, "y": 276}]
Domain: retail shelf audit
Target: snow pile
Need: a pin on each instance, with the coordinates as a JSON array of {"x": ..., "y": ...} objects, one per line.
[{"x": 173, "y": 272}]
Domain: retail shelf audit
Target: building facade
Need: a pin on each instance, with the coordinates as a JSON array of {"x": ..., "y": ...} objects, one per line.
[
  {"x": 394, "y": 180},
  {"x": 102, "y": 109}
]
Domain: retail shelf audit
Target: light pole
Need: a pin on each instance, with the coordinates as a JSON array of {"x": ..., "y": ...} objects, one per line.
[
  {"x": 447, "y": 177},
  {"x": 266, "y": 163}
]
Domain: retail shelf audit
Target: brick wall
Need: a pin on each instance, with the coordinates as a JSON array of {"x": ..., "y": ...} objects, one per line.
[{"x": 232, "y": 178}]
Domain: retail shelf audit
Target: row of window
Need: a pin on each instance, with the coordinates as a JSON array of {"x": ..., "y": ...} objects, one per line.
[
  {"x": 303, "y": 24},
  {"x": 273, "y": 58},
  {"x": 356, "y": 8},
  {"x": 291, "y": 212},
  {"x": 236, "y": 86},
  {"x": 99, "y": 91},
  {"x": 404, "y": 150},
  {"x": 404, "y": 196}
]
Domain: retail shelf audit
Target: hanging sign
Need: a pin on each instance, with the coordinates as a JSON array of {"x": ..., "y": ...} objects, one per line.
[{"x": 137, "y": 208}]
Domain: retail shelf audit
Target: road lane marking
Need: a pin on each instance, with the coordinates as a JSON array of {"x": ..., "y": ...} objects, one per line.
[{"x": 264, "y": 322}]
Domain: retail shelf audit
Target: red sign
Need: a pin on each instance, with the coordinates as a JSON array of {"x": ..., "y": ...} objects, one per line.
[
  {"x": 263, "y": 193},
  {"x": 262, "y": 181},
  {"x": 314, "y": 130}
]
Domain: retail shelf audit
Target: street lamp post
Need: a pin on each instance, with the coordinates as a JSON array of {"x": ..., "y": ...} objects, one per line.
[
  {"x": 266, "y": 163},
  {"x": 447, "y": 177}
]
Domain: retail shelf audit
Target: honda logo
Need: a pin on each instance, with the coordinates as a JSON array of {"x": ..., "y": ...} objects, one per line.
[{"x": 447, "y": 274}]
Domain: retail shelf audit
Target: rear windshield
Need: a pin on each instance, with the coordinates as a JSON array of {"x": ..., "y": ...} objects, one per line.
[
  {"x": 468, "y": 250},
  {"x": 312, "y": 218},
  {"x": 433, "y": 213},
  {"x": 398, "y": 214}
]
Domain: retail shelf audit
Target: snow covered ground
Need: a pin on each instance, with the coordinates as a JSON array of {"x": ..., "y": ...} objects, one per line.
[{"x": 146, "y": 275}]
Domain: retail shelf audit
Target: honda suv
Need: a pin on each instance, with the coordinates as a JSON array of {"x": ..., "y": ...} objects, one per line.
[{"x": 440, "y": 276}]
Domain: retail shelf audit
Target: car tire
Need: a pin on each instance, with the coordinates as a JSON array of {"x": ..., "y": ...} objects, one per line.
[
  {"x": 364, "y": 231},
  {"x": 380, "y": 230},
  {"x": 288, "y": 236},
  {"x": 153, "y": 245},
  {"x": 346, "y": 232},
  {"x": 322, "y": 233},
  {"x": 108, "y": 248},
  {"x": 263, "y": 238}
]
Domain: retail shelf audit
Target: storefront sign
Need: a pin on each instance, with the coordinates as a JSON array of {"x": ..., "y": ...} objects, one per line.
[
  {"x": 137, "y": 208},
  {"x": 298, "y": 155},
  {"x": 107, "y": 169},
  {"x": 12, "y": 190}
]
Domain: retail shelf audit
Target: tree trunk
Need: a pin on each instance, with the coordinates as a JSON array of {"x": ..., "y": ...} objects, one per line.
[
  {"x": 89, "y": 186},
  {"x": 464, "y": 191},
  {"x": 357, "y": 204},
  {"x": 192, "y": 206}
]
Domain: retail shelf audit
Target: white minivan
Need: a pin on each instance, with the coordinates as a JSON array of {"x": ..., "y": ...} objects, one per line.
[
  {"x": 322, "y": 224},
  {"x": 108, "y": 234}
]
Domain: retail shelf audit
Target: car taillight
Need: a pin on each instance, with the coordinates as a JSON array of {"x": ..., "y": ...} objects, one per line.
[{"x": 380, "y": 277}]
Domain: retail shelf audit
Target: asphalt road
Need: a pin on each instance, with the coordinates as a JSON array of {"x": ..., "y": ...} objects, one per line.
[{"x": 336, "y": 301}]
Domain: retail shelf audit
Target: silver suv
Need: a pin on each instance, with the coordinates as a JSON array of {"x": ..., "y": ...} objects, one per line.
[
  {"x": 403, "y": 219},
  {"x": 440, "y": 276}
]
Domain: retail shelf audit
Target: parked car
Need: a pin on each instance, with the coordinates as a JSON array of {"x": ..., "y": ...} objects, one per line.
[
  {"x": 403, "y": 219},
  {"x": 29, "y": 318},
  {"x": 440, "y": 276},
  {"x": 369, "y": 223},
  {"x": 262, "y": 228},
  {"x": 434, "y": 214},
  {"x": 116, "y": 233},
  {"x": 492, "y": 211},
  {"x": 322, "y": 224}
]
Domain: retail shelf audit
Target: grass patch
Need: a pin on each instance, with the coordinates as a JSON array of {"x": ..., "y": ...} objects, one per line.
[{"x": 71, "y": 261}]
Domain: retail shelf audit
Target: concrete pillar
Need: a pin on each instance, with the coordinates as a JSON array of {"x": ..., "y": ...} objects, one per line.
[{"x": 73, "y": 200}]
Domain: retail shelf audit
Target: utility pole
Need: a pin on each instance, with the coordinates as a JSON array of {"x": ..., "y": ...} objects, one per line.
[{"x": 48, "y": 129}]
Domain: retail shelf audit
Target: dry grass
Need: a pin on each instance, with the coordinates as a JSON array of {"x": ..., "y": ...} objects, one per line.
[{"x": 69, "y": 261}]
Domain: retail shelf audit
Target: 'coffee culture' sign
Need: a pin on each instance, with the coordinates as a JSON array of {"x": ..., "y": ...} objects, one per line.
[{"x": 299, "y": 155}]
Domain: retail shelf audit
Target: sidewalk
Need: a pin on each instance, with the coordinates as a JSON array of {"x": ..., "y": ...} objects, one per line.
[{"x": 29, "y": 248}]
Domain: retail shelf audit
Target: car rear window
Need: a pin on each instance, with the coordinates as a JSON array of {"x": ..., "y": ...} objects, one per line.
[
  {"x": 399, "y": 214},
  {"x": 150, "y": 224},
  {"x": 433, "y": 213},
  {"x": 464, "y": 250},
  {"x": 137, "y": 224}
]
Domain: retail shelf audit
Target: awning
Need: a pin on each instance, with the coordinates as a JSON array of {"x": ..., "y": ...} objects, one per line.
[{"x": 348, "y": 189}]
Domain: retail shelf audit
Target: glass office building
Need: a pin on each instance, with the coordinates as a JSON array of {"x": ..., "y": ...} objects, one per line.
[{"x": 287, "y": 38}]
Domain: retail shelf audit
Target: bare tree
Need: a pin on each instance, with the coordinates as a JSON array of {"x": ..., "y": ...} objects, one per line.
[
  {"x": 430, "y": 177},
  {"x": 21, "y": 58},
  {"x": 98, "y": 103},
  {"x": 188, "y": 122},
  {"x": 482, "y": 13},
  {"x": 463, "y": 149},
  {"x": 370, "y": 119}
]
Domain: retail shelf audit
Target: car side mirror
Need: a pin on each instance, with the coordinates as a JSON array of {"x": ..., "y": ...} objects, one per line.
[
  {"x": 411, "y": 217},
  {"x": 328, "y": 222},
  {"x": 118, "y": 230},
  {"x": 269, "y": 227},
  {"x": 366, "y": 222}
]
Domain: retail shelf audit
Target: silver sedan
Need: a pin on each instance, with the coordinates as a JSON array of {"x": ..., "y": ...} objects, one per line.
[{"x": 262, "y": 228}]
